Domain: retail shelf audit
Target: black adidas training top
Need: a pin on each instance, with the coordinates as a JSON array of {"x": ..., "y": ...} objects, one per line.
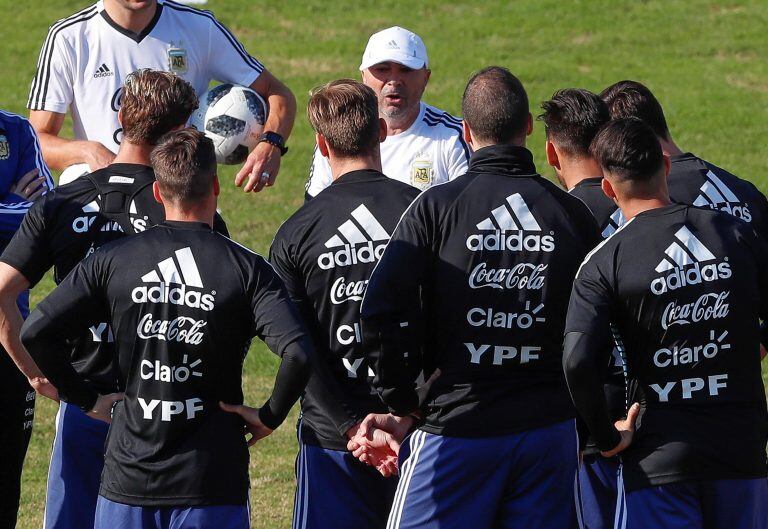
[
  {"x": 325, "y": 253},
  {"x": 184, "y": 303},
  {"x": 685, "y": 289},
  {"x": 697, "y": 182},
  {"x": 493, "y": 254},
  {"x": 68, "y": 224}
]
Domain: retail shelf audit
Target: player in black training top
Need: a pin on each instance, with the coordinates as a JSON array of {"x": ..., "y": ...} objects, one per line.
[
  {"x": 184, "y": 303},
  {"x": 492, "y": 252},
  {"x": 691, "y": 180},
  {"x": 325, "y": 253},
  {"x": 571, "y": 119},
  {"x": 684, "y": 288},
  {"x": 59, "y": 231}
]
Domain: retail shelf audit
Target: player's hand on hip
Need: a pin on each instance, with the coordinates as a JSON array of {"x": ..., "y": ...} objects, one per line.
[
  {"x": 97, "y": 156},
  {"x": 260, "y": 169},
  {"x": 253, "y": 424},
  {"x": 30, "y": 186},
  {"x": 102, "y": 410},
  {"x": 626, "y": 428},
  {"x": 43, "y": 386}
]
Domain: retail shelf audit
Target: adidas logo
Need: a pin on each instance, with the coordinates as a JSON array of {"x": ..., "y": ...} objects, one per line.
[
  {"x": 683, "y": 264},
  {"x": 355, "y": 240},
  {"x": 182, "y": 271},
  {"x": 83, "y": 224},
  {"x": 103, "y": 71},
  {"x": 506, "y": 229},
  {"x": 392, "y": 45},
  {"x": 615, "y": 221},
  {"x": 716, "y": 195}
]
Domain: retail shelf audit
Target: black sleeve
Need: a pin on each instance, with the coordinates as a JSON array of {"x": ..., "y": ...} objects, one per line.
[
  {"x": 586, "y": 346},
  {"x": 292, "y": 377},
  {"x": 76, "y": 304},
  {"x": 322, "y": 383},
  {"x": 390, "y": 310},
  {"x": 28, "y": 252}
]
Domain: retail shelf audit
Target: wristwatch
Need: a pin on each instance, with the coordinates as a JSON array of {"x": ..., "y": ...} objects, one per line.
[{"x": 273, "y": 138}]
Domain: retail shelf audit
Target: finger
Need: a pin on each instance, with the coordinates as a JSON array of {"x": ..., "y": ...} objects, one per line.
[
  {"x": 37, "y": 194},
  {"x": 28, "y": 178},
  {"x": 231, "y": 408},
  {"x": 273, "y": 174},
  {"x": 252, "y": 441},
  {"x": 352, "y": 446},
  {"x": 634, "y": 410},
  {"x": 260, "y": 179},
  {"x": 244, "y": 172}
]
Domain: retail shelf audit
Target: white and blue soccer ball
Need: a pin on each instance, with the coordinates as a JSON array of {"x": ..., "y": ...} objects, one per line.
[{"x": 233, "y": 117}]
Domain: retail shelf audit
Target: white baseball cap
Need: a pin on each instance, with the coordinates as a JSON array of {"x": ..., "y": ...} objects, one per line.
[{"x": 397, "y": 45}]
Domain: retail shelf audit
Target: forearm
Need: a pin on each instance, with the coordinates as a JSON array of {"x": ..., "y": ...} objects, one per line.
[
  {"x": 10, "y": 330},
  {"x": 60, "y": 153},
  {"x": 282, "y": 109},
  {"x": 47, "y": 345},
  {"x": 584, "y": 374},
  {"x": 292, "y": 378}
]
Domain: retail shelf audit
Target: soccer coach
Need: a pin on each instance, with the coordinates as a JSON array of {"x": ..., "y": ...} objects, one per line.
[
  {"x": 184, "y": 303},
  {"x": 491, "y": 253},
  {"x": 87, "y": 56}
]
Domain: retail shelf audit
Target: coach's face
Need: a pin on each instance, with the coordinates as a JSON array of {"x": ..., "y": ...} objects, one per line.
[{"x": 398, "y": 87}]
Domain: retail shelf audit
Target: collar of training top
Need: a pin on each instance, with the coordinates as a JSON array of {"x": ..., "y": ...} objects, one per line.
[
  {"x": 509, "y": 159},
  {"x": 591, "y": 181},
  {"x": 683, "y": 156},
  {"x": 361, "y": 175},
  {"x": 187, "y": 225}
]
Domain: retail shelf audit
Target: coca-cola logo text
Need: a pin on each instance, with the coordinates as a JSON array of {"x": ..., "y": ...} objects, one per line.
[
  {"x": 342, "y": 291},
  {"x": 522, "y": 276},
  {"x": 181, "y": 329},
  {"x": 709, "y": 306}
]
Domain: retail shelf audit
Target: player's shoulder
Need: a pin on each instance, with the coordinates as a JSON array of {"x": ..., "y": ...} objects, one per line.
[
  {"x": 72, "y": 25},
  {"x": 10, "y": 120},
  {"x": 187, "y": 14},
  {"x": 440, "y": 124}
]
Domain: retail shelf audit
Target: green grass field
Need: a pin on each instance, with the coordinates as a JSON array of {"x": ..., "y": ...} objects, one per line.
[{"x": 704, "y": 60}]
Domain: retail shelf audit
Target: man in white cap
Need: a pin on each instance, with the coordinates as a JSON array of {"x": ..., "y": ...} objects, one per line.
[{"x": 424, "y": 145}]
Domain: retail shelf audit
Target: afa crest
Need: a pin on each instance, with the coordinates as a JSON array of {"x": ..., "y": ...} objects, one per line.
[
  {"x": 177, "y": 59},
  {"x": 422, "y": 173},
  {"x": 5, "y": 148}
]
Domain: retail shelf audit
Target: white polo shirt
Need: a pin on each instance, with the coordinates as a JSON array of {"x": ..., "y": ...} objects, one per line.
[
  {"x": 87, "y": 56},
  {"x": 431, "y": 151}
]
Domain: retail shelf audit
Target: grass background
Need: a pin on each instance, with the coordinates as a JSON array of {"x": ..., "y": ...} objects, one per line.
[{"x": 704, "y": 60}]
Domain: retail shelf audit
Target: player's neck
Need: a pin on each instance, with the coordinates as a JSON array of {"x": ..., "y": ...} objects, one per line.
[
  {"x": 574, "y": 170},
  {"x": 634, "y": 206},
  {"x": 203, "y": 213},
  {"x": 669, "y": 147},
  {"x": 133, "y": 153},
  {"x": 342, "y": 166},
  {"x": 134, "y": 20},
  {"x": 398, "y": 125}
]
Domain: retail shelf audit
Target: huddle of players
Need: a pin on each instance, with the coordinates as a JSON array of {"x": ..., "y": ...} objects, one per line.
[{"x": 463, "y": 287}]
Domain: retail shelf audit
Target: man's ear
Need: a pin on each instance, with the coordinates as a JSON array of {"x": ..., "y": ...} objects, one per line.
[
  {"x": 667, "y": 165},
  {"x": 216, "y": 186},
  {"x": 322, "y": 146},
  {"x": 608, "y": 189},
  {"x": 552, "y": 158},
  {"x": 156, "y": 193},
  {"x": 529, "y": 130},
  {"x": 382, "y": 130},
  {"x": 120, "y": 117},
  {"x": 466, "y": 133}
]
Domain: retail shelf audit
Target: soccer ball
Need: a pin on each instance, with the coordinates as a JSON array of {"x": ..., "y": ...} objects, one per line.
[
  {"x": 233, "y": 117},
  {"x": 73, "y": 172}
]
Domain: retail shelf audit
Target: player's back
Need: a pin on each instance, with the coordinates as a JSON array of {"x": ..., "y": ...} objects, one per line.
[
  {"x": 697, "y": 182},
  {"x": 507, "y": 244},
  {"x": 184, "y": 303},
  {"x": 607, "y": 214},
  {"x": 326, "y": 252},
  {"x": 688, "y": 287}
]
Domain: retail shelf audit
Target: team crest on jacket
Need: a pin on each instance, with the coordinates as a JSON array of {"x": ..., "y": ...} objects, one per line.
[
  {"x": 177, "y": 59},
  {"x": 360, "y": 239},
  {"x": 714, "y": 194},
  {"x": 511, "y": 227},
  {"x": 5, "y": 148},
  {"x": 422, "y": 172},
  {"x": 687, "y": 261}
]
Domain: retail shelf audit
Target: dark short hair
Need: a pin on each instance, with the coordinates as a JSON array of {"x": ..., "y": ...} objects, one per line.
[
  {"x": 572, "y": 118},
  {"x": 495, "y": 105},
  {"x": 346, "y": 113},
  {"x": 185, "y": 166},
  {"x": 628, "y": 149},
  {"x": 154, "y": 103},
  {"x": 630, "y": 99}
]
